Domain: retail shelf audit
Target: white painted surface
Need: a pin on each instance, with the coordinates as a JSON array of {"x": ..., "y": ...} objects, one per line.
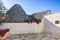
[
  {"x": 53, "y": 17},
  {"x": 49, "y": 23},
  {"x": 23, "y": 27}
]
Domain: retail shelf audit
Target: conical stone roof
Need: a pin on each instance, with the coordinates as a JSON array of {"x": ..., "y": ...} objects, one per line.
[
  {"x": 16, "y": 14},
  {"x": 39, "y": 15}
]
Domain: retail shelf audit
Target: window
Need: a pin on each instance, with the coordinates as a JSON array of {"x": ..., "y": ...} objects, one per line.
[{"x": 57, "y": 22}]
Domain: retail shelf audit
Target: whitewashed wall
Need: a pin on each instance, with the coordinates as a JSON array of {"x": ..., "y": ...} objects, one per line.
[
  {"x": 23, "y": 27},
  {"x": 53, "y": 17},
  {"x": 49, "y": 23}
]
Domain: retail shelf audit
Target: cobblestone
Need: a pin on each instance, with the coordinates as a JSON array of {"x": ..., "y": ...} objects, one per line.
[{"x": 34, "y": 36}]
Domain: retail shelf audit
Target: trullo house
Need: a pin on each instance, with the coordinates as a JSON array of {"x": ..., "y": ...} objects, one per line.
[{"x": 19, "y": 22}]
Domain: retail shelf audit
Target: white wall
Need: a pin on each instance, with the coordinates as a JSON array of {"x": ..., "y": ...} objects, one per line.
[
  {"x": 49, "y": 23},
  {"x": 53, "y": 17},
  {"x": 23, "y": 27}
]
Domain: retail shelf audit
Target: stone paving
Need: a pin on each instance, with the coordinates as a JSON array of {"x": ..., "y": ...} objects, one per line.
[{"x": 34, "y": 36}]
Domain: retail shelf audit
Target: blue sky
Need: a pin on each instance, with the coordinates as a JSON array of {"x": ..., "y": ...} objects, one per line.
[{"x": 32, "y": 6}]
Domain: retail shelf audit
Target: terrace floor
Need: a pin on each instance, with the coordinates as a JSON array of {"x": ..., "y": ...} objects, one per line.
[{"x": 34, "y": 36}]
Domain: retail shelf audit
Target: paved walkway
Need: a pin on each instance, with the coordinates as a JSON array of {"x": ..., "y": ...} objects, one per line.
[{"x": 34, "y": 36}]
